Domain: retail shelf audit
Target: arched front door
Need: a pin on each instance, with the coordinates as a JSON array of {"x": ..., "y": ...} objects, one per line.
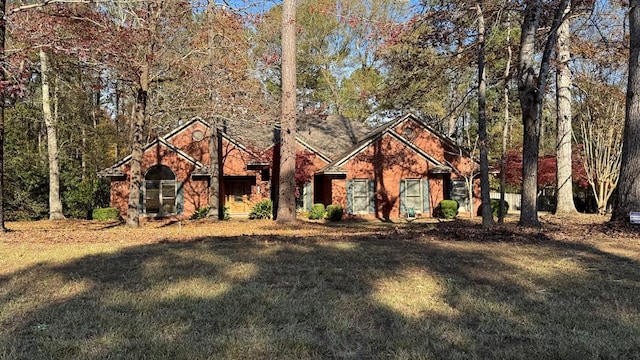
[{"x": 160, "y": 191}]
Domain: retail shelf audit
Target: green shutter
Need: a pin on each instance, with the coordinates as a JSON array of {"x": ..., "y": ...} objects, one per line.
[
  {"x": 425, "y": 197},
  {"x": 403, "y": 193},
  {"x": 179, "y": 197},
  {"x": 141, "y": 202},
  {"x": 372, "y": 196},
  {"x": 349, "y": 196},
  {"x": 307, "y": 196}
]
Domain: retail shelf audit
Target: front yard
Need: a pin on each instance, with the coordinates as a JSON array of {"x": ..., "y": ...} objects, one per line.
[{"x": 256, "y": 290}]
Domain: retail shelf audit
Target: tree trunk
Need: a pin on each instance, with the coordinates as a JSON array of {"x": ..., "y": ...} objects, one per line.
[
  {"x": 628, "y": 198},
  {"x": 135, "y": 175},
  {"x": 487, "y": 216},
  {"x": 528, "y": 93},
  {"x": 215, "y": 212},
  {"x": 214, "y": 176},
  {"x": 505, "y": 130},
  {"x": 286, "y": 194},
  {"x": 55, "y": 204},
  {"x": 531, "y": 89},
  {"x": 3, "y": 78},
  {"x": 564, "y": 180}
]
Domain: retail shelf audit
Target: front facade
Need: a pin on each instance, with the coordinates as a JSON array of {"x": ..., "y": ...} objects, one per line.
[
  {"x": 176, "y": 174},
  {"x": 402, "y": 169}
]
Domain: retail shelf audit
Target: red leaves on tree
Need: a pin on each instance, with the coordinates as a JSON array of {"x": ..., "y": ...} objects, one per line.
[{"x": 546, "y": 169}]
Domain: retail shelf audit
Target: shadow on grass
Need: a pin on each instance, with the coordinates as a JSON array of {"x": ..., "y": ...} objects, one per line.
[{"x": 276, "y": 297}]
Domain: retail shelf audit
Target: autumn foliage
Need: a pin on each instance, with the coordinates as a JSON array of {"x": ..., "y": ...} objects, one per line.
[{"x": 546, "y": 169}]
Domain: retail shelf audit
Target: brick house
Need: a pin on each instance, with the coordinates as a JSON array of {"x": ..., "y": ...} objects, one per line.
[
  {"x": 383, "y": 173},
  {"x": 403, "y": 167}
]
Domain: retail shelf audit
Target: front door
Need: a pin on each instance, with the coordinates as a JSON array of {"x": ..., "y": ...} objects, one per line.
[{"x": 238, "y": 196}]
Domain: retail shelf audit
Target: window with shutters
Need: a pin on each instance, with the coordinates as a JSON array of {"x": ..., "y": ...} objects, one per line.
[
  {"x": 460, "y": 193},
  {"x": 413, "y": 194},
  {"x": 361, "y": 197},
  {"x": 414, "y": 197}
]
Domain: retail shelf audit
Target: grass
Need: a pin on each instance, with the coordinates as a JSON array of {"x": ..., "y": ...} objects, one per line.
[{"x": 256, "y": 290}]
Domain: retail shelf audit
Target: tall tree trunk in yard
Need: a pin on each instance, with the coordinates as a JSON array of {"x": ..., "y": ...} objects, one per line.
[
  {"x": 564, "y": 180},
  {"x": 505, "y": 130},
  {"x": 214, "y": 175},
  {"x": 55, "y": 204},
  {"x": 286, "y": 194},
  {"x": 528, "y": 92},
  {"x": 214, "y": 169},
  {"x": 628, "y": 198},
  {"x": 135, "y": 180},
  {"x": 487, "y": 216},
  {"x": 531, "y": 89},
  {"x": 3, "y": 78}
]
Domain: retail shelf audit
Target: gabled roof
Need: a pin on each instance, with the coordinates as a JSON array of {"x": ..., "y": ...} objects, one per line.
[
  {"x": 306, "y": 145},
  {"x": 188, "y": 124},
  {"x": 201, "y": 169},
  {"x": 184, "y": 126},
  {"x": 387, "y": 129},
  {"x": 114, "y": 171},
  {"x": 332, "y": 134}
]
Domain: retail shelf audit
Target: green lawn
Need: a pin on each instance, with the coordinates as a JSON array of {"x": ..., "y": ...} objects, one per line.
[{"x": 254, "y": 290}]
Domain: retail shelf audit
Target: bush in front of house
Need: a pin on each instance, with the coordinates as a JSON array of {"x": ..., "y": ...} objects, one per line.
[
  {"x": 201, "y": 213},
  {"x": 495, "y": 207},
  {"x": 317, "y": 212},
  {"x": 262, "y": 210},
  {"x": 334, "y": 212},
  {"x": 105, "y": 214},
  {"x": 447, "y": 209}
]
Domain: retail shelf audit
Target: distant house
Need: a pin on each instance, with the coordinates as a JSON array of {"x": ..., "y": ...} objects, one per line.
[{"x": 403, "y": 167}]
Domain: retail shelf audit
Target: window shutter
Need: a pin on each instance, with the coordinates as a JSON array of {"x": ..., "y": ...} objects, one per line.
[
  {"x": 141, "y": 203},
  {"x": 179, "y": 197},
  {"x": 372, "y": 196},
  {"x": 349, "y": 196},
  {"x": 307, "y": 196},
  {"x": 403, "y": 193},
  {"x": 425, "y": 197}
]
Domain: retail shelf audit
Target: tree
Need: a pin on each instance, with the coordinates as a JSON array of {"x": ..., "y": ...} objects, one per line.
[
  {"x": 601, "y": 135},
  {"x": 564, "y": 184},
  {"x": 532, "y": 84},
  {"x": 3, "y": 88},
  {"x": 286, "y": 190},
  {"x": 505, "y": 128},
  {"x": 487, "y": 215},
  {"x": 628, "y": 198},
  {"x": 55, "y": 203}
]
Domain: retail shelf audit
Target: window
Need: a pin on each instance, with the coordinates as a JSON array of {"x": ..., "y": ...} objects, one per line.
[
  {"x": 408, "y": 133},
  {"x": 460, "y": 193},
  {"x": 160, "y": 190},
  {"x": 360, "y": 196},
  {"x": 414, "y": 194},
  {"x": 197, "y": 135}
]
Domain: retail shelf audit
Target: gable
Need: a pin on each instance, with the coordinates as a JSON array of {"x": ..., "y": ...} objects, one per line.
[
  {"x": 192, "y": 138},
  {"x": 441, "y": 152},
  {"x": 390, "y": 152}
]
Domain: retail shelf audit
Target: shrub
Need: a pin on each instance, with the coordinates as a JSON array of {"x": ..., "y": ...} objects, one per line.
[
  {"x": 105, "y": 214},
  {"x": 495, "y": 207},
  {"x": 447, "y": 209},
  {"x": 262, "y": 210},
  {"x": 317, "y": 212},
  {"x": 334, "y": 212},
  {"x": 201, "y": 213}
]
